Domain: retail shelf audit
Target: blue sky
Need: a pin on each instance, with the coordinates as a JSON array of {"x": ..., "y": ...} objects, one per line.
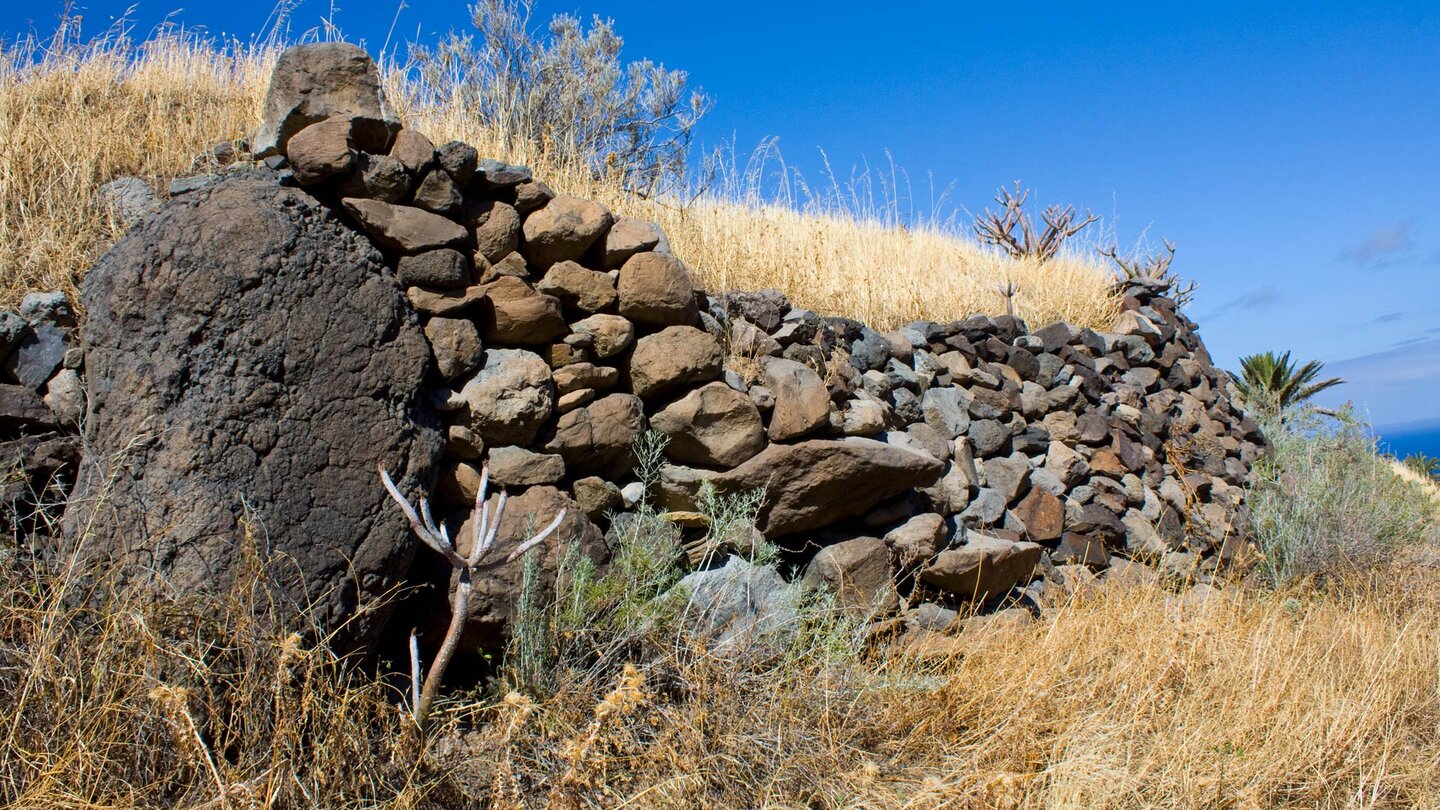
[{"x": 1292, "y": 150}]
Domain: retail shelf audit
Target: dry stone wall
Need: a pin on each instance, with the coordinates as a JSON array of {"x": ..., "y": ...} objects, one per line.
[{"x": 941, "y": 463}]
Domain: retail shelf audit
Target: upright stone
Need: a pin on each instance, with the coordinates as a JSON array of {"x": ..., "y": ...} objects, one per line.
[
  {"x": 282, "y": 365},
  {"x": 319, "y": 80}
]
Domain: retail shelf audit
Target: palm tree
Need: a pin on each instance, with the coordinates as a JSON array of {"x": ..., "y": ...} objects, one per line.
[{"x": 1272, "y": 384}]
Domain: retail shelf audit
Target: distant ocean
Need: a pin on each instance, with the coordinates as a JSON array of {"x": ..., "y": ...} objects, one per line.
[{"x": 1409, "y": 439}]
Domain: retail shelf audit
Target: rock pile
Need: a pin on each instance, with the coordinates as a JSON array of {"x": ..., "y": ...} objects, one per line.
[
  {"x": 42, "y": 401},
  {"x": 938, "y": 464}
]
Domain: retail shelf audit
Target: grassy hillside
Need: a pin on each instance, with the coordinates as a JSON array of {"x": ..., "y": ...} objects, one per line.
[{"x": 73, "y": 116}]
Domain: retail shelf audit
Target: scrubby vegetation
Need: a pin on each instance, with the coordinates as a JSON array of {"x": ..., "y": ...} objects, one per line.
[{"x": 1329, "y": 502}]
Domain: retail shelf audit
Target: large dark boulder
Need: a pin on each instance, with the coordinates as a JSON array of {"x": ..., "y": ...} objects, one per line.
[{"x": 250, "y": 362}]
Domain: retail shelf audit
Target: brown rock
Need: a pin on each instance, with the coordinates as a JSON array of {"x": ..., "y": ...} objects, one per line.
[
  {"x": 322, "y": 80},
  {"x": 253, "y": 275},
  {"x": 609, "y": 334},
  {"x": 1105, "y": 462},
  {"x": 404, "y": 229},
  {"x": 916, "y": 540},
  {"x": 414, "y": 151},
  {"x": 815, "y": 483},
  {"x": 21, "y": 407},
  {"x": 598, "y": 438},
  {"x": 585, "y": 290},
  {"x": 321, "y": 151},
  {"x": 461, "y": 442},
  {"x": 457, "y": 484},
  {"x": 628, "y": 237},
  {"x": 713, "y": 426},
  {"x": 517, "y": 467},
  {"x": 532, "y": 195},
  {"x": 445, "y": 302},
  {"x": 1081, "y": 549},
  {"x": 520, "y": 315},
  {"x": 443, "y": 269},
  {"x": 655, "y": 289},
  {"x": 497, "y": 229},
  {"x": 512, "y": 264},
  {"x": 511, "y": 397},
  {"x": 571, "y": 400},
  {"x": 564, "y": 229},
  {"x": 672, "y": 358},
  {"x": 438, "y": 193},
  {"x": 375, "y": 177},
  {"x": 455, "y": 345},
  {"x": 983, "y": 568},
  {"x": 496, "y": 595},
  {"x": 858, "y": 573},
  {"x": 802, "y": 402},
  {"x": 597, "y": 497},
  {"x": 1041, "y": 514},
  {"x": 575, "y": 376}
]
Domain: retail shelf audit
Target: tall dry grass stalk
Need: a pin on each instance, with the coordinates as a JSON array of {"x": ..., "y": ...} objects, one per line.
[{"x": 75, "y": 115}]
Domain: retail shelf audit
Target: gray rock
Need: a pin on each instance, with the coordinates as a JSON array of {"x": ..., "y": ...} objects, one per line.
[
  {"x": 988, "y": 436},
  {"x": 127, "y": 199},
  {"x": 1010, "y": 476},
  {"x": 986, "y": 509},
  {"x": 741, "y": 608},
  {"x": 947, "y": 411},
  {"x": 39, "y": 353},
  {"x": 443, "y": 269}
]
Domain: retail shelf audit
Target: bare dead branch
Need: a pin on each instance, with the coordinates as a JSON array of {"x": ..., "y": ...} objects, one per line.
[
  {"x": 1013, "y": 230},
  {"x": 487, "y": 527}
]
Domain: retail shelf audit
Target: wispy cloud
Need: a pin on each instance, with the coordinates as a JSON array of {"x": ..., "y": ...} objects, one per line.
[
  {"x": 1399, "y": 384},
  {"x": 1383, "y": 247},
  {"x": 1260, "y": 298},
  {"x": 1389, "y": 317}
]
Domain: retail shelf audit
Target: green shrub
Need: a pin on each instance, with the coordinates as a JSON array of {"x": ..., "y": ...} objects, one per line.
[{"x": 1330, "y": 502}]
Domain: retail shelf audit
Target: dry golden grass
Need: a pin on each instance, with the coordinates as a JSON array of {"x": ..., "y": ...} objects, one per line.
[
  {"x": 81, "y": 115},
  {"x": 1122, "y": 697}
]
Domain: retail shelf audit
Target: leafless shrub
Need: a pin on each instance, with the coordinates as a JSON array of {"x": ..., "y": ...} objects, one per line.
[
  {"x": 1012, "y": 229},
  {"x": 1156, "y": 266},
  {"x": 487, "y": 526},
  {"x": 567, "y": 93}
]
